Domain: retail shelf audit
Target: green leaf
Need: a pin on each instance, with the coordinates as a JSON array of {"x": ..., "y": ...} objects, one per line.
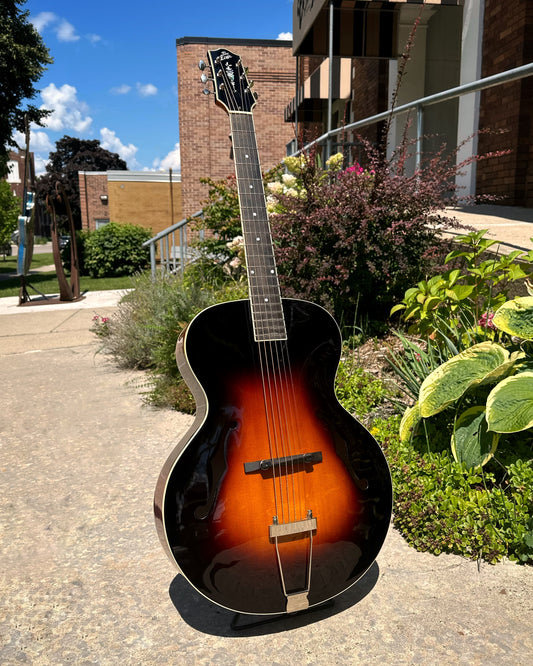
[
  {"x": 409, "y": 422},
  {"x": 431, "y": 303},
  {"x": 472, "y": 444},
  {"x": 516, "y": 317},
  {"x": 510, "y": 404},
  {"x": 452, "y": 379},
  {"x": 503, "y": 370},
  {"x": 460, "y": 291},
  {"x": 397, "y": 308},
  {"x": 453, "y": 276}
]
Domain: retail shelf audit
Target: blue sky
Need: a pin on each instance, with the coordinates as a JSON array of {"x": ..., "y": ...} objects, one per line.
[{"x": 114, "y": 75}]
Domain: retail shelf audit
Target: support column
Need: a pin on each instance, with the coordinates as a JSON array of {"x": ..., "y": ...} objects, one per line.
[{"x": 468, "y": 122}]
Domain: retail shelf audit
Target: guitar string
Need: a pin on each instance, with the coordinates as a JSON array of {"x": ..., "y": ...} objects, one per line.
[
  {"x": 281, "y": 369},
  {"x": 265, "y": 371},
  {"x": 277, "y": 365},
  {"x": 277, "y": 397}
]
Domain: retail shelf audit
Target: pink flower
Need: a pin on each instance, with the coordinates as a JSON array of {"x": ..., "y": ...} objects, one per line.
[
  {"x": 355, "y": 168},
  {"x": 485, "y": 321}
]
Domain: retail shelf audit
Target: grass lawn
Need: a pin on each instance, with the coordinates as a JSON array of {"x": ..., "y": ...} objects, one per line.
[{"x": 47, "y": 282}]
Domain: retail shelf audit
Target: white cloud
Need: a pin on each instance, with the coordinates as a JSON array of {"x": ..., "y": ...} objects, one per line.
[
  {"x": 39, "y": 141},
  {"x": 68, "y": 112},
  {"x": 285, "y": 35},
  {"x": 40, "y": 146},
  {"x": 43, "y": 19},
  {"x": 66, "y": 32},
  {"x": 40, "y": 163},
  {"x": 111, "y": 142},
  {"x": 171, "y": 161},
  {"x": 146, "y": 89},
  {"x": 123, "y": 89}
]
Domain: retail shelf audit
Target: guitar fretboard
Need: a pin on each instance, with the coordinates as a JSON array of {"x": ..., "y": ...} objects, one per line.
[{"x": 265, "y": 296}]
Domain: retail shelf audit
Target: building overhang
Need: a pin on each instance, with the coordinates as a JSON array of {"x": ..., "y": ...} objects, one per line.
[
  {"x": 360, "y": 30},
  {"x": 315, "y": 90}
]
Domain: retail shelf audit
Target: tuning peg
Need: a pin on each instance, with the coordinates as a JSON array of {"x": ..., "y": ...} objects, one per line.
[
  {"x": 204, "y": 78},
  {"x": 202, "y": 65},
  {"x": 206, "y": 91}
]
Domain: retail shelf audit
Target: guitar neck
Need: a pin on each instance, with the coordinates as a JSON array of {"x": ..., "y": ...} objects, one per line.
[{"x": 265, "y": 296}]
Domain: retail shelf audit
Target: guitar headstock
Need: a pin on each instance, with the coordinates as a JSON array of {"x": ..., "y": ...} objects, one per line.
[{"x": 232, "y": 88}]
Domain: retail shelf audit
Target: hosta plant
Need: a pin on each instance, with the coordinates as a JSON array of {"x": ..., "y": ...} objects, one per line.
[{"x": 483, "y": 392}]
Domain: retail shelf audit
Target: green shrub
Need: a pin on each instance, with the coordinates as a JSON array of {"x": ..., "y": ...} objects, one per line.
[
  {"x": 442, "y": 507},
  {"x": 143, "y": 332},
  {"x": 359, "y": 234},
  {"x": 356, "y": 389},
  {"x": 116, "y": 249},
  {"x": 456, "y": 305}
]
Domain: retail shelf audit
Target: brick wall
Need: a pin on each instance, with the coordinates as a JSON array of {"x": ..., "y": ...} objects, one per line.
[
  {"x": 370, "y": 93},
  {"x": 507, "y": 43},
  {"x": 136, "y": 198},
  {"x": 93, "y": 184},
  {"x": 146, "y": 204},
  {"x": 204, "y": 127}
]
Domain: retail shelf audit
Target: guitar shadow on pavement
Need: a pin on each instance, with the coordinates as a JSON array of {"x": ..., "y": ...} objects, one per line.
[{"x": 209, "y": 618}]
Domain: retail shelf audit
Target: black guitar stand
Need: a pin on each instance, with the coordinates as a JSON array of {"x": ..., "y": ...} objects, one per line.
[{"x": 276, "y": 618}]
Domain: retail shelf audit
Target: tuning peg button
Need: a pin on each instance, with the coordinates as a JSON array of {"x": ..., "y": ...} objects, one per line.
[
  {"x": 204, "y": 78},
  {"x": 206, "y": 91},
  {"x": 202, "y": 65}
]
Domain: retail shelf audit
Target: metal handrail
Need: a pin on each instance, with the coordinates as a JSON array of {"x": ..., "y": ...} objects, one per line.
[
  {"x": 419, "y": 104},
  {"x": 169, "y": 251}
]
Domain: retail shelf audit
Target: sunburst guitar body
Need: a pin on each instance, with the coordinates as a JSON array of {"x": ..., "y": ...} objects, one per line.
[{"x": 276, "y": 499}]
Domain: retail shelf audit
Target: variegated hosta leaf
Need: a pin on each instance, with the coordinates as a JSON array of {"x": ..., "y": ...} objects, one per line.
[
  {"x": 504, "y": 369},
  {"x": 510, "y": 404},
  {"x": 516, "y": 317},
  {"x": 471, "y": 441},
  {"x": 452, "y": 379},
  {"x": 410, "y": 420}
]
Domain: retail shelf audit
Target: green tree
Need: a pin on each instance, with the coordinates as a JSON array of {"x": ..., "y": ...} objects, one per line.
[
  {"x": 9, "y": 212},
  {"x": 23, "y": 59},
  {"x": 73, "y": 155}
]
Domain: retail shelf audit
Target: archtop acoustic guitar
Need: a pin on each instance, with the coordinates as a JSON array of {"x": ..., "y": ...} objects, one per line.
[{"x": 276, "y": 499}]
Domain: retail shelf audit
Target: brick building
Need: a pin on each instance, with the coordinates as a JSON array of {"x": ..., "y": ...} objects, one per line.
[
  {"x": 507, "y": 43},
  {"x": 456, "y": 42},
  {"x": 150, "y": 199},
  {"x": 16, "y": 170},
  {"x": 204, "y": 127}
]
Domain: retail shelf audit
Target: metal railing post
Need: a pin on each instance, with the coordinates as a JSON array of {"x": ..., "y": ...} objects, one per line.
[{"x": 419, "y": 135}]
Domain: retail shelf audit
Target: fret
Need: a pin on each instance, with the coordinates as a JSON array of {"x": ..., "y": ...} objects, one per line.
[{"x": 265, "y": 297}]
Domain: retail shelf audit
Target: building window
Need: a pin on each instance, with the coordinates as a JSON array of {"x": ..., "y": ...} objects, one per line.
[
  {"x": 101, "y": 223},
  {"x": 13, "y": 175}
]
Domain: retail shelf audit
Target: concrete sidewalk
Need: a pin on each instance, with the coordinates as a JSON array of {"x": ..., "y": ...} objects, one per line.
[
  {"x": 512, "y": 226},
  {"x": 35, "y": 327},
  {"x": 84, "y": 580}
]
